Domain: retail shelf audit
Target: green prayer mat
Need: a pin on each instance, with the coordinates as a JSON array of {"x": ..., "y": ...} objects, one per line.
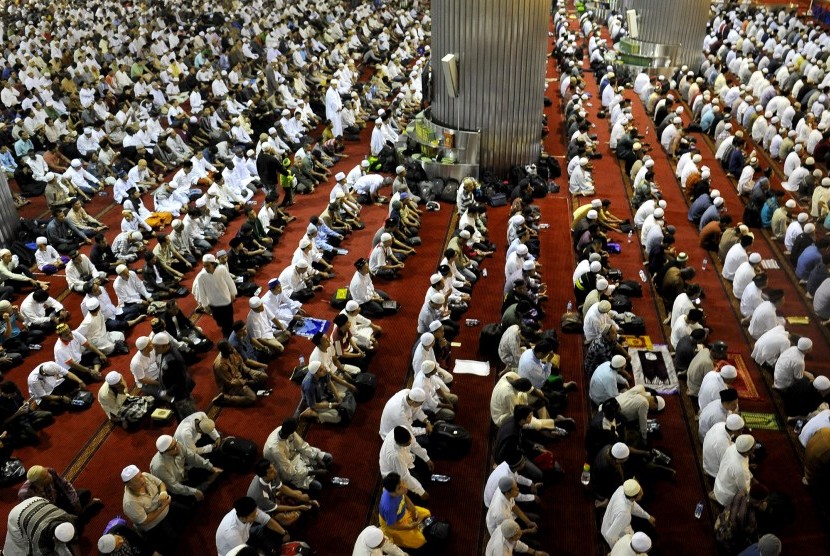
[{"x": 764, "y": 421}]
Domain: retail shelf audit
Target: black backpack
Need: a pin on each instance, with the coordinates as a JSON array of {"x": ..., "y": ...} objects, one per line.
[
  {"x": 24, "y": 254},
  {"x": 449, "y": 441},
  {"x": 450, "y": 192},
  {"x": 426, "y": 191}
]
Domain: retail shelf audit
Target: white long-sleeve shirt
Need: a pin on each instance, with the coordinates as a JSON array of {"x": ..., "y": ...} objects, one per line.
[
  {"x": 35, "y": 313},
  {"x": 131, "y": 290},
  {"x": 617, "y": 519},
  {"x": 398, "y": 413},
  {"x": 715, "y": 443},
  {"x": 214, "y": 289},
  {"x": 733, "y": 476},
  {"x": 188, "y": 433},
  {"x": 399, "y": 459}
]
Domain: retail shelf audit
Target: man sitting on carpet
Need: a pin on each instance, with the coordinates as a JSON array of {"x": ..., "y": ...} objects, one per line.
[
  {"x": 399, "y": 518},
  {"x": 717, "y": 411},
  {"x": 298, "y": 462}
]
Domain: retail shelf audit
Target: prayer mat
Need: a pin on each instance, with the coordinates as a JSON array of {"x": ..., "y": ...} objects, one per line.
[
  {"x": 643, "y": 342},
  {"x": 763, "y": 421},
  {"x": 744, "y": 383},
  {"x": 309, "y": 327},
  {"x": 470, "y": 367},
  {"x": 654, "y": 368}
]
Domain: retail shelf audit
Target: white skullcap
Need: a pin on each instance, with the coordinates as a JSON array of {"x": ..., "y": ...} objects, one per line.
[
  {"x": 340, "y": 176},
  {"x": 373, "y": 537},
  {"x": 428, "y": 366},
  {"x": 41, "y": 241},
  {"x": 602, "y": 284},
  {"x": 734, "y": 422},
  {"x": 790, "y": 203},
  {"x": 618, "y": 361},
  {"x": 810, "y": 161},
  {"x": 364, "y": 164},
  {"x": 121, "y": 268},
  {"x": 592, "y": 215},
  {"x": 662, "y": 204},
  {"x": 620, "y": 450},
  {"x": 521, "y": 250},
  {"x": 528, "y": 265},
  {"x": 65, "y": 532},
  {"x": 76, "y": 163},
  {"x": 385, "y": 236},
  {"x": 729, "y": 372},
  {"x": 631, "y": 488},
  {"x": 464, "y": 234},
  {"x": 351, "y": 305},
  {"x": 417, "y": 395},
  {"x": 583, "y": 161},
  {"x": 113, "y": 378},
  {"x": 755, "y": 258},
  {"x": 705, "y": 173},
  {"x": 437, "y": 298},
  {"x": 92, "y": 303},
  {"x": 661, "y": 403},
  {"x": 803, "y": 217},
  {"x": 640, "y": 542},
  {"x": 604, "y": 306},
  {"x": 697, "y": 158},
  {"x": 596, "y": 203},
  {"x": 255, "y": 302},
  {"x": 821, "y": 383},
  {"x": 718, "y": 201},
  {"x": 659, "y": 213},
  {"x": 161, "y": 339},
  {"x": 509, "y": 528},
  {"x": 142, "y": 342},
  {"x": 208, "y": 258},
  {"x": 809, "y": 228},
  {"x": 302, "y": 264},
  {"x": 106, "y": 544},
  {"x": 677, "y": 121},
  {"x": 164, "y": 442},
  {"x": 129, "y": 473},
  {"x": 176, "y": 224},
  {"x": 744, "y": 443},
  {"x": 595, "y": 266},
  {"x": 805, "y": 344},
  {"x": 714, "y": 193},
  {"x": 649, "y": 163},
  {"x": 435, "y": 325},
  {"x": 304, "y": 242}
]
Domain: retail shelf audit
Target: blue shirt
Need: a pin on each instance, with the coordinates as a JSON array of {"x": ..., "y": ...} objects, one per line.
[
  {"x": 391, "y": 508},
  {"x": 244, "y": 347},
  {"x": 312, "y": 389},
  {"x": 766, "y": 211},
  {"x": 532, "y": 368},
  {"x": 709, "y": 215},
  {"x": 808, "y": 259},
  {"x": 605, "y": 383},
  {"x": 698, "y": 207}
]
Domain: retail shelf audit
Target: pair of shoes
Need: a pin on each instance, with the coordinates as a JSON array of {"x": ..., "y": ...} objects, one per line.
[{"x": 35, "y": 347}]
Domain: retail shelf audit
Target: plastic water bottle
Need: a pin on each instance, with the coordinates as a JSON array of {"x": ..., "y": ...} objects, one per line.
[
  {"x": 570, "y": 306},
  {"x": 302, "y": 361},
  {"x": 630, "y": 234},
  {"x": 699, "y": 510},
  {"x": 585, "y": 479},
  {"x": 339, "y": 481},
  {"x": 436, "y": 478},
  {"x": 704, "y": 264},
  {"x": 643, "y": 275},
  {"x": 799, "y": 426},
  {"x": 484, "y": 272}
]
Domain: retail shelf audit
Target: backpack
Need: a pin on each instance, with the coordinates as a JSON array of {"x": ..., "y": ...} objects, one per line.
[
  {"x": 489, "y": 338},
  {"x": 30, "y": 229},
  {"x": 630, "y": 288},
  {"x": 450, "y": 192},
  {"x": 24, "y": 254},
  {"x": 449, "y": 441},
  {"x": 571, "y": 323},
  {"x": 437, "y": 188},
  {"x": 426, "y": 192},
  {"x": 238, "y": 454}
]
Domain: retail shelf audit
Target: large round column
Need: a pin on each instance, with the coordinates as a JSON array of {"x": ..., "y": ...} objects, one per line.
[
  {"x": 9, "y": 219},
  {"x": 500, "y": 48}
]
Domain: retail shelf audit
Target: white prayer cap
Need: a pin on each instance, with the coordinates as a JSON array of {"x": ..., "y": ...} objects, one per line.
[
  {"x": 521, "y": 250},
  {"x": 661, "y": 403},
  {"x": 437, "y": 298},
  {"x": 428, "y": 366},
  {"x": 715, "y": 193},
  {"x": 755, "y": 258},
  {"x": 640, "y": 542},
  {"x": 803, "y": 217},
  {"x": 434, "y": 325},
  {"x": 659, "y": 213},
  {"x": 734, "y": 422},
  {"x": 339, "y": 195},
  {"x": 825, "y": 182},
  {"x": 385, "y": 236},
  {"x": 809, "y": 228},
  {"x": 727, "y": 126},
  {"x": 129, "y": 472},
  {"x": 427, "y": 338},
  {"x": 790, "y": 203},
  {"x": 302, "y": 264},
  {"x": 208, "y": 258},
  {"x": 304, "y": 242},
  {"x": 705, "y": 173},
  {"x": 618, "y": 362},
  {"x": 352, "y": 305},
  {"x": 620, "y": 450},
  {"x": 106, "y": 544},
  {"x": 113, "y": 378},
  {"x": 810, "y": 161},
  {"x": 65, "y": 532},
  {"x": 729, "y": 372},
  {"x": 464, "y": 234},
  {"x": 142, "y": 342},
  {"x": 364, "y": 164},
  {"x": 400, "y": 170},
  {"x": 592, "y": 215},
  {"x": 121, "y": 268},
  {"x": 805, "y": 344},
  {"x": 744, "y": 443},
  {"x": 697, "y": 158},
  {"x": 49, "y": 176},
  {"x": 649, "y": 163},
  {"x": 378, "y": 122},
  {"x": 255, "y": 302},
  {"x": 528, "y": 265},
  {"x": 417, "y": 395},
  {"x": 718, "y": 201},
  {"x": 161, "y": 339},
  {"x": 631, "y": 487},
  {"x": 286, "y": 112},
  {"x": 373, "y": 537},
  {"x": 41, "y": 241},
  {"x": 339, "y": 176},
  {"x": 92, "y": 303},
  {"x": 434, "y": 279},
  {"x": 583, "y": 161},
  {"x": 821, "y": 383},
  {"x": 604, "y": 306},
  {"x": 677, "y": 121},
  {"x": 602, "y": 284},
  {"x": 76, "y": 163},
  {"x": 595, "y": 266},
  {"x": 164, "y": 442},
  {"x": 88, "y": 130}
]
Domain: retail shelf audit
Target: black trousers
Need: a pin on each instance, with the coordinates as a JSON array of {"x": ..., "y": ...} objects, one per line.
[{"x": 223, "y": 315}]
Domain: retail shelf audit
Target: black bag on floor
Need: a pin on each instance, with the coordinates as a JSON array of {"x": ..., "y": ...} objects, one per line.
[
  {"x": 12, "y": 472},
  {"x": 366, "y": 384},
  {"x": 238, "y": 454},
  {"x": 450, "y": 192},
  {"x": 426, "y": 192},
  {"x": 497, "y": 200},
  {"x": 571, "y": 323},
  {"x": 390, "y": 307},
  {"x": 340, "y": 298},
  {"x": 629, "y": 288},
  {"x": 449, "y": 441},
  {"x": 489, "y": 338},
  {"x": 620, "y": 303},
  {"x": 298, "y": 374},
  {"x": 633, "y": 326},
  {"x": 438, "y": 188},
  {"x": 347, "y": 407},
  {"x": 294, "y": 548},
  {"x": 81, "y": 400},
  {"x": 436, "y": 531}
]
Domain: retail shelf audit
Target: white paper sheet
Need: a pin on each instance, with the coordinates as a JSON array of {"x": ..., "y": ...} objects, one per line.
[{"x": 470, "y": 367}]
